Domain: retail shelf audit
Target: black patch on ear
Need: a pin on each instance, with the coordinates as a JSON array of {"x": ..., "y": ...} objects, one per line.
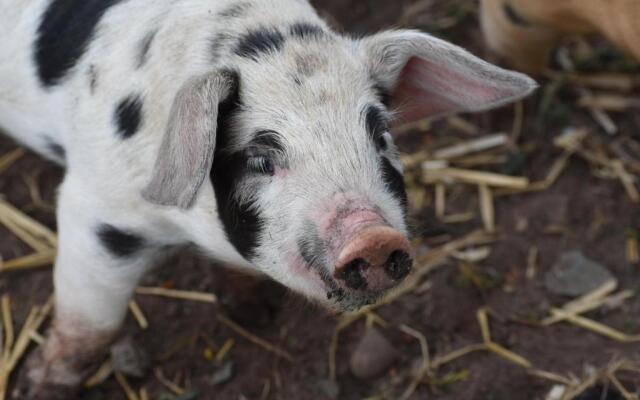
[
  {"x": 377, "y": 124},
  {"x": 514, "y": 17},
  {"x": 128, "y": 115},
  {"x": 66, "y": 28},
  {"x": 118, "y": 242},
  {"x": 305, "y": 30},
  {"x": 260, "y": 41},
  {"x": 144, "y": 47},
  {"x": 394, "y": 182},
  {"x": 242, "y": 222},
  {"x": 384, "y": 95},
  {"x": 235, "y": 11}
]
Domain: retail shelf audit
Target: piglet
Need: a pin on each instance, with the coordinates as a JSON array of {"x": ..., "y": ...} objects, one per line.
[{"x": 248, "y": 129}]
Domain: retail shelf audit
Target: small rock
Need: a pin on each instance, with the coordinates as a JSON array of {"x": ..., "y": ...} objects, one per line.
[
  {"x": 223, "y": 374},
  {"x": 372, "y": 356},
  {"x": 130, "y": 358},
  {"x": 326, "y": 388},
  {"x": 574, "y": 275}
]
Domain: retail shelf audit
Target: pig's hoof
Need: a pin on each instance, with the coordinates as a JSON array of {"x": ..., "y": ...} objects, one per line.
[{"x": 47, "y": 380}]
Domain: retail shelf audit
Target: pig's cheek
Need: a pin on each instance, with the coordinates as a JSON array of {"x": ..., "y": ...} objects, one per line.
[
  {"x": 300, "y": 269},
  {"x": 280, "y": 172}
]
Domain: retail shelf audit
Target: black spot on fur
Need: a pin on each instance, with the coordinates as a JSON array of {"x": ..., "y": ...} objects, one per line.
[
  {"x": 92, "y": 74},
  {"x": 128, "y": 115},
  {"x": 65, "y": 31},
  {"x": 313, "y": 249},
  {"x": 144, "y": 47},
  {"x": 377, "y": 125},
  {"x": 268, "y": 139},
  {"x": 305, "y": 30},
  {"x": 56, "y": 149},
  {"x": 235, "y": 11},
  {"x": 119, "y": 243},
  {"x": 242, "y": 222},
  {"x": 218, "y": 43},
  {"x": 260, "y": 41},
  {"x": 394, "y": 182},
  {"x": 384, "y": 95},
  {"x": 514, "y": 17}
]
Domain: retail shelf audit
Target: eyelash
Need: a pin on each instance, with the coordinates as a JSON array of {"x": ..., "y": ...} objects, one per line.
[{"x": 261, "y": 165}]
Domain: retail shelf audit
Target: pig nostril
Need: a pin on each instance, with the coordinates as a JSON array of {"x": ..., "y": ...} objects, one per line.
[
  {"x": 398, "y": 265},
  {"x": 351, "y": 274}
]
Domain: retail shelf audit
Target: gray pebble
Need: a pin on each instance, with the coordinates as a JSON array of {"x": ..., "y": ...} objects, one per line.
[
  {"x": 373, "y": 355},
  {"x": 575, "y": 275}
]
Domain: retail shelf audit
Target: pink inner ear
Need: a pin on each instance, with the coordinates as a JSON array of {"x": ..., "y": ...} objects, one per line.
[{"x": 427, "y": 88}]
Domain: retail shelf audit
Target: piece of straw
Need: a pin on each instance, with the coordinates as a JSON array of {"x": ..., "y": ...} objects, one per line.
[
  {"x": 178, "y": 294},
  {"x": 25, "y": 236},
  {"x": 476, "y": 178},
  {"x": 137, "y": 313},
  {"x": 472, "y": 146},
  {"x": 587, "y": 302},
  {"x": 126, "y": 387},
  {"x": 36, "y": 260},
  {"x": 254, "y": 339},
  {"x": 487, "y": 210},
  {"x": 441, "y": 200},
  {"x": 596, "y": 327},
  {"x": 31, "y": 225},
  {"x": 7, "y": 160}
]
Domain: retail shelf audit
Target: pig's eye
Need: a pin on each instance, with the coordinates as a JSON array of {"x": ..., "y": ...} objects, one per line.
[
  {"x": 261, "y": 165},
  {"x": 384, "y": 140}
]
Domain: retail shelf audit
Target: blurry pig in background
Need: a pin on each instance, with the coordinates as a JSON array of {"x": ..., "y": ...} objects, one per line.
[{"x": 525, "y": 32}]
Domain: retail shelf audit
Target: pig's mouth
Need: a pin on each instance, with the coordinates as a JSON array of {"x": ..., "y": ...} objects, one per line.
[{"x": 359, "y": 262}]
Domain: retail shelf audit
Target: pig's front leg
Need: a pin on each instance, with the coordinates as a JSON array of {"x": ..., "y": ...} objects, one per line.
[{"x": 97, "y": 269}]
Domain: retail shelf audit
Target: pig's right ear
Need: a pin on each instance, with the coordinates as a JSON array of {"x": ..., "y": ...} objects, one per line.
[
  {"x": 426, "y": 76},
  {"x": 186, "y": 153}
]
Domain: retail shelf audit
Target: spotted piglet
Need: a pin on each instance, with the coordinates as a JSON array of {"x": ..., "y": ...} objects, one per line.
[{"x": 247, "y": 128}]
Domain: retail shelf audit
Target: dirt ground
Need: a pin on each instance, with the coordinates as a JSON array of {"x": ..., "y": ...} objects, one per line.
[{"x": 584, "y": 210}]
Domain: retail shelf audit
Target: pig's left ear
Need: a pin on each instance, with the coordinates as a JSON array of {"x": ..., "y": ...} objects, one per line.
[
  {"x": 186, "y": 153},
  {"x": 426, "y": 76}
]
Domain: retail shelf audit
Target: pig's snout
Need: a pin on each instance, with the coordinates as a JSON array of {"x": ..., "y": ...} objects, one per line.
[{"x": 376, "y": 259}]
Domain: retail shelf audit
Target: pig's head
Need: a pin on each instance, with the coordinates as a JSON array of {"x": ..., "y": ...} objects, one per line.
[{"x": 307, "y": 178}]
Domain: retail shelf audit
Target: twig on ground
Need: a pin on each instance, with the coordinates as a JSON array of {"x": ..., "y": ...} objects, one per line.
[
  {"x": 29, "y": 224},
  {"x": 254, "y": 339},
  {"x": 167, "y": 383},
  {"x": 7, "y": 160},
  {"x": 101, "y": 375},
  {"x": 487, "y": 208},
  {"x": 596, "y": 327},
  {"x": 35, "y": 260},
  {"x": 425, "y": 364},
  {"x": 475, "y": 178},
  {"x": 178, "y": 294},
  {"x": 137, "y": 313},
  {"x": 472, "y": 146},
  {"x": 126, "y": 387}
]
